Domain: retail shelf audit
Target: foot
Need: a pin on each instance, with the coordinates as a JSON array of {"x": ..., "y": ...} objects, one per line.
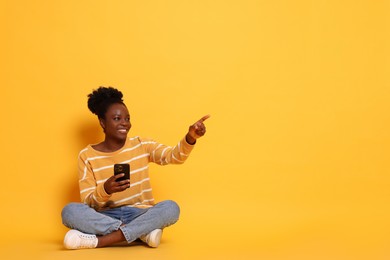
[
  {"x": 76, "y": 240},
  {"x": 153, "y": 238}
]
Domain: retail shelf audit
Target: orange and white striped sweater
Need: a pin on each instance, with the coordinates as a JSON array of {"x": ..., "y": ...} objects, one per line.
[{"x": 96, "y": 167}]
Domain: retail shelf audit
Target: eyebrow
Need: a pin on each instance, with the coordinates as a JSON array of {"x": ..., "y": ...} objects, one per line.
[{"x": 128, "y": 115}]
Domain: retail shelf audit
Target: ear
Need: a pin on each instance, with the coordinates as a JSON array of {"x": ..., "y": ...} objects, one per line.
[{"x": 102, "y": 123}]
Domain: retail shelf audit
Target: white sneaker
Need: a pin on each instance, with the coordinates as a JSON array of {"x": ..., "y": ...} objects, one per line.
[
  {"x": 153, "y": 238},
  {"x": 75, "y": 239}
]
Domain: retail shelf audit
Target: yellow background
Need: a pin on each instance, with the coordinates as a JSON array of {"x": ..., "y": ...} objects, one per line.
[{"x": 295, "y": 163}]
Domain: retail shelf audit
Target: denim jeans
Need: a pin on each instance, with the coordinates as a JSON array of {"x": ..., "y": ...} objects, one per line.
[{"x": 133, "y": 222}]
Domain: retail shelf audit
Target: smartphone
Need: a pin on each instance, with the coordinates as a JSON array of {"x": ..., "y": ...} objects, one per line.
[{"x": 122, "y": 168}]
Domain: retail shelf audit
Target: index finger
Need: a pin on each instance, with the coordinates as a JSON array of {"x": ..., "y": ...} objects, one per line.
[
  {"x": 204, "y": 118},
  {"x": 117, "y": 176}
]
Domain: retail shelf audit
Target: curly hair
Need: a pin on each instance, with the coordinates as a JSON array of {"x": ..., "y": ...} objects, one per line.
[{"x": 101, "y": 99}]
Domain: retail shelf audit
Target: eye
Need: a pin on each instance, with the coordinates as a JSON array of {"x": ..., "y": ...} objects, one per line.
[
  {"x": 128, "y": 119},
  {"x": 117, "y": 118}
]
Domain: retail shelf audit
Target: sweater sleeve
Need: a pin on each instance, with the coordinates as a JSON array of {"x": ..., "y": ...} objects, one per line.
[
  {"x": 91, "y": 192},
  {"x": 163, "y": 154}
]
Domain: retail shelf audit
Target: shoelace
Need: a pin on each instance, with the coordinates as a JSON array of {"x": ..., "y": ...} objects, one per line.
[{"x": 87, "y": 241}]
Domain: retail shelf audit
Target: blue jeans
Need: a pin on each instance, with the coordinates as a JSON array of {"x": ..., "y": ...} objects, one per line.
[{"x": 133, "y": 222}]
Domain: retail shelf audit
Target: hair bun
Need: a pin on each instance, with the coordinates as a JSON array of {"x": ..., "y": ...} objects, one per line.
[{"x": 99, "y": 100}]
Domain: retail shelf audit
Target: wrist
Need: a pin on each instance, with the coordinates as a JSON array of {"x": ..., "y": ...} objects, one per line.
[
  {"x": 105, "y": 189},
  {"x": 190, "y": 140}
]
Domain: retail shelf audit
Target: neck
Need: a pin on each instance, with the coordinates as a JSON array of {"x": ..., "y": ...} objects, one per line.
[{"x": 113, "y": 145}]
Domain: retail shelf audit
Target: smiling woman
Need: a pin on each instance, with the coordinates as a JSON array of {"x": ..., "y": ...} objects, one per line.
[
  {"x": 116, "y": 210},
  {"x": 114, "y": 118}
]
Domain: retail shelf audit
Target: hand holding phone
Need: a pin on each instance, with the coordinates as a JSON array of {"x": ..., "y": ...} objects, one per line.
[{"x": 114, "y": 184}]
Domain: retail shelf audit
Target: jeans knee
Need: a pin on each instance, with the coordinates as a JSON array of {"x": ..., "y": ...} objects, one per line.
[
  {"x": 172, "y": 209},
  {"x": 70, "y": 211}
]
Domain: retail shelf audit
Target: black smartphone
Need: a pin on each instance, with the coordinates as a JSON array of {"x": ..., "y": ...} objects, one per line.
[{"x": 122, "y": 168}]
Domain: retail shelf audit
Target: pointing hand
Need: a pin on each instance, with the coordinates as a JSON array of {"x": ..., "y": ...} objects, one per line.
[{"x": 198, "y": 129}]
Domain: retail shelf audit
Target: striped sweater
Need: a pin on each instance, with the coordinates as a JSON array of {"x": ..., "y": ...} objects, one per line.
[{"x": 96, "y": 167}]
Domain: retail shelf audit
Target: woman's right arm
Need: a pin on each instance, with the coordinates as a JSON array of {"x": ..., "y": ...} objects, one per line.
[{"x": 91, "y": 192}]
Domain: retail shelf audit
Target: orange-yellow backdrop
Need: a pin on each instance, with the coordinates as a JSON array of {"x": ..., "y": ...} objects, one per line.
[{"x": 295, "y": 163}]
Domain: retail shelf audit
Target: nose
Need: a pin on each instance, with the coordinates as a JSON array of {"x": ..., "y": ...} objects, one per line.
[{"x": 125, "y": 122}]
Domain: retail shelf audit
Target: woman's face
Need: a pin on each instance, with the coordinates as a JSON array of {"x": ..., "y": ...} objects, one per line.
[{"x": 116, "y": 124}]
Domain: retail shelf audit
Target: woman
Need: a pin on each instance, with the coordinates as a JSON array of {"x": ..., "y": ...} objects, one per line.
[{"x": 115, "y": 211}]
